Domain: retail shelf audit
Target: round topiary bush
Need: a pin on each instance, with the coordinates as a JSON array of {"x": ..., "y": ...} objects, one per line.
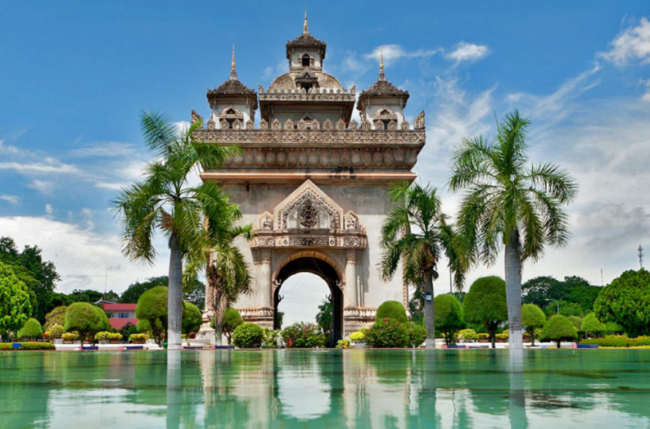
[
  {"x": 86, "y": 319},
  {"x": 31, "y": 330},
  {"x": 532, "y": 318},
  {"x": 485, "y": 303},
  {"x": 56, "y": 331},
  {"x": 576, "y": 321},
  {"x": 303, "y": 335},
  {"x": 231, "y": 320},
  {"x": 468, "y": 335},
  {"x": 248, "y": 336},
  {"x": 391, "y": 310},
  {"x": 449, "y": 316},
  {"x": 591, "y": 326},
  {"x": 192, "y": 318},
  {"x": 152, "y": 306},
  {"x": 388, "y": 333},
  {"x": 416, "y": 334},
  {"x": 558, "y": 328}
]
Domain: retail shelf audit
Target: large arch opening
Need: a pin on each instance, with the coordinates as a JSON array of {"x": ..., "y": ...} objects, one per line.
[{"x": 322, "y": 268}]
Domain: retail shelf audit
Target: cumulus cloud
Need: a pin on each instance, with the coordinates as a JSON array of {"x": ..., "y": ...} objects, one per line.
[
  {"x": 81, "y": 254},
  {"x": 468, "y": 52},
  {"x": 631, "y": 45},
  {"x": 11, "y": 199},
  {"x": 44, "y": 187},
  {"x": 393, "y": 52}
]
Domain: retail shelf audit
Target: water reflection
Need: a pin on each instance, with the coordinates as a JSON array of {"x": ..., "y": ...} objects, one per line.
[{"x": 353, "y": 388}]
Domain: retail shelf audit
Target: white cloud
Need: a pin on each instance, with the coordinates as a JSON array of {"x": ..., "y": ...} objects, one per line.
[
  {"x": 11, "y": 199},
  {"x": 49, "y": 210},
  {"x": 104, "y": 149},
  {"x": 393, "y": 52},
  {"x": 7, "y": 149},
  {"x": 632, "y": 44},
  {"x": 81, "y": 255},
  {"x": 468, "y": 52},
  {"x": 646, "y": 94},
  {"x": 42, "y": 186},
  {"x": 51, "y": 166}
]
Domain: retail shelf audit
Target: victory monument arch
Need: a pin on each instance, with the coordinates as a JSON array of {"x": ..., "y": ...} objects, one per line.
[{"x": 313, "y": 182}]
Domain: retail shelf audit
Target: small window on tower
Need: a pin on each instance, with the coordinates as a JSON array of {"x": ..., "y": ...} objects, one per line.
[{"x": 305, "y": 60}]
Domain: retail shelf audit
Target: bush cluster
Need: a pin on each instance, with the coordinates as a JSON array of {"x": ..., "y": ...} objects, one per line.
[
  {"x": 248, "y": 336},
  {"x": 357, "y": 336},
  {"x": 69, "y": 336},
  {"x": 470, "y": 335},
  {"x": 138, "y": 338},
  {"x": 270, "y": 338},
  {"x": 618, "y": 341},
  {"x": 56, "y": 331},
  {"x": 343, "y": 344},
  {"x": 388, "y": 333},
  {"x": 108, "y": 336},
  {"x": 391, "y": 310},
  {"x": 303, "y": 335},
  {"x": 28, "y": 346},
  {"x": 416, "y": 334}
]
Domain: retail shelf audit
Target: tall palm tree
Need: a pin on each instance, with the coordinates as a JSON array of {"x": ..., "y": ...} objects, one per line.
[
  {"x": 419, "y": 209},
  {"x": 165, "y": 201},
  {"x": 507, "y": 202},
  {"x": 227, "y": 272}
]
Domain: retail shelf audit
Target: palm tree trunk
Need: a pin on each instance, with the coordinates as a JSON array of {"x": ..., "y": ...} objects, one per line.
[
  {"x": 429, "y": 312},
  {"x": 175, "y": 296},
  {"x": 513, "y": 290},
  {"x": 220, "y": 309}
]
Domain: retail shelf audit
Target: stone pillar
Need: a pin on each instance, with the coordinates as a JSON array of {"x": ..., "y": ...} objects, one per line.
[
  {"x": 264, "y": 276},
  {"x": 351, "y": 288}
]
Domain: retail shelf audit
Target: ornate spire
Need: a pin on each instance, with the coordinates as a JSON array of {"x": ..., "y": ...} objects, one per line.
[
  {"x": 305, "y": 28},
  {"x": 382, "y": 76},
  {"x": 233, "y": 71}
]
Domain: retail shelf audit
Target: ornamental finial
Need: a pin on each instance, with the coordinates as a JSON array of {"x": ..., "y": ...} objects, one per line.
[
  {"x": 382, "y": 76},
  {"x": 233, "y": 71},
  {"x": 305, "y": 29}
]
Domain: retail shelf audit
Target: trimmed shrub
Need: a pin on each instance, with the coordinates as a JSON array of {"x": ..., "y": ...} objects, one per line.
[
  {"x": 591, "y": 326},
  {"x": 86, "y": 319},
  {"x": 484, "y": 337},
  {"x": 31, "y": 330},
  {"x": 248, "y": 336},
  {"x": 559, "y": 328},
  {"x": 138, "y": 338},
  {"x": 576, "y": 321},
  {"x": 609, "y": 341},
  {"x": 28, "y": 346},
  {"x": 613, "y": 328},
  {"x": 357, "y": 337},
  {"x": 303, "y": 335},
  {"x": 486, "y": 303},
  {"x": 391, "y": 310},
  {"x": 102, "y": 336},
  {"x": 416, "y": 334},
  {"x": 449, "y": 316},
  {"x": 152, "y": 307},
  {"x": 70, "y": 336},
  {"x": 231, "y": 320},
  {"x": 468, "y": 335},
  {"x": 192, "y": 318},
  {"x": 56, "y": 331},
  {"x": 55, "y": 317},
  {"x": 343, "y": 344},
  {"x": 388, "y": 333},
  {"x": 532, "y": 318}
]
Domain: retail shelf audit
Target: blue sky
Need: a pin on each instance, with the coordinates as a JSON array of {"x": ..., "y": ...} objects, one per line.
[{"x": 75, "y": 76}]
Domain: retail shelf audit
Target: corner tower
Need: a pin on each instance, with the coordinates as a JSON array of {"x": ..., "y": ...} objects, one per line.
[{"x": 314, "y": 182}]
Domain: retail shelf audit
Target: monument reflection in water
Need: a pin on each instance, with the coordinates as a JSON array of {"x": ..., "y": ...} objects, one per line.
[{"x": 352, "y": 388}]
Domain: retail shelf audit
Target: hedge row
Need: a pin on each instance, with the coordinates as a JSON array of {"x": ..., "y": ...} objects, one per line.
[
  {"x": 28, "y": 346},
  {"x": 618, "y": 341}
]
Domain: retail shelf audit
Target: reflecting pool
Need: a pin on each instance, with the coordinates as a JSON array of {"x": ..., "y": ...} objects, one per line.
[{"x": 329, "y": 389}]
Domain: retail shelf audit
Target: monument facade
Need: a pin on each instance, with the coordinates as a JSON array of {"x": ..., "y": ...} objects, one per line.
[{"x": 313, "y": 181}]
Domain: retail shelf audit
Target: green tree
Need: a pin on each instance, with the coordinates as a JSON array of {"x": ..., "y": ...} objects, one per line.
[
  {"x": 152, "y": 307},
  {"x": 485, "y": 303},
  {"x": 391, "y": 310},
  {"x": 87, "y": 319},
  {"x": 325, "y": 319},
  {"x": 135, "y": 290},
  {"x": 419, "y": 209},
  {"x": 532, "y": 318},
  {"x": 626, "y": 301},
  {"x": 231, "y": 320},
  {"x": 591, "y": 326},
  {"x": 40, "y": 276},
  {"x": 559, "y": 328},
  {"x": 15, "y": 305},
  {"x": 192, "y": 319},
  {"x": 165, "y": 200},
  {"x": 31, "y": 330},
  {"x": 449, "y": 316},
  {"x": 227, "y": 273},
  {"x": 509, "y": 203}
]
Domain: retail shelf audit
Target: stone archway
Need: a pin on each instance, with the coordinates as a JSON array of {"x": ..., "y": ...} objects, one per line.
[{"x": 324, "y": 267}]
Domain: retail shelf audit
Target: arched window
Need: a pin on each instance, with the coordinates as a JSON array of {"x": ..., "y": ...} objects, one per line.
[{"x": 305, "y": 60}]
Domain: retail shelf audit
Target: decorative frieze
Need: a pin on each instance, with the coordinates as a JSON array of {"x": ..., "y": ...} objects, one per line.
[{"x": 362, "y": 314}]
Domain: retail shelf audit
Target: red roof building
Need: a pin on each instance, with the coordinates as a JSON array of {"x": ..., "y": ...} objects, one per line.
[{"x": 120, "y": 314}]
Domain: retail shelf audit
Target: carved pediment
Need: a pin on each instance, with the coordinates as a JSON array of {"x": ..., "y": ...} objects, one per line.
[{"x": 308, "y": 207}]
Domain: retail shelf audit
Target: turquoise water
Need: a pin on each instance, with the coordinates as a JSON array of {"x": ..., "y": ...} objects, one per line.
[{"x": 326, "y": 389}]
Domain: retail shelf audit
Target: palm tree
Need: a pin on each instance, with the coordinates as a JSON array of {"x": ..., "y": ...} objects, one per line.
[
  {"x": 419, "y": 208},
  {"x": 165, "y": 201},
  {"x": 227, "y": 272},
  {"x": 507, "y": 202}
]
